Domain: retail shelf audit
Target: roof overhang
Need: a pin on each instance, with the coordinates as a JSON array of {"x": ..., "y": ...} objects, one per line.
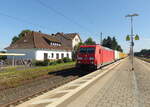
[{"x": 11, "y": 54}]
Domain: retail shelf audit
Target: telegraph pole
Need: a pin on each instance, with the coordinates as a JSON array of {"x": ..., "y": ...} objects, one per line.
[
  {"x": 101, "y": 38},
  {"x": 132, "y": 37}
]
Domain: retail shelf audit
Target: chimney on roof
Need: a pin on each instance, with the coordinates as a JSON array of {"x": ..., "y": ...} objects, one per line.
[
  {"x": 25, "y": 34},
  {"x": 59, "y": 33}
]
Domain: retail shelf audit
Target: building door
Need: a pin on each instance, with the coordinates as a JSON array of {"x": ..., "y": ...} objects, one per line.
[
  {"x": 45, "y": 56},
  {"x": 62, "y": 56},
  {"x": 57, "y": 56},
  {"x": 68, "y": 55}
]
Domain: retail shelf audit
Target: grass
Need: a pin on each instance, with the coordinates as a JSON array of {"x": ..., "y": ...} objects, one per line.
[
  {"x": 145, "y": 59},
  {"x": 11, "y": 68},
  {"x": 12, "y": 79}
]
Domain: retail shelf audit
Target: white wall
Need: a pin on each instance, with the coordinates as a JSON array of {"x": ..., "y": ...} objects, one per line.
[
  {"x": 40, "y": 54},
  {"x": 30, "y": 53},
  {"x": 74, "y": 42}
]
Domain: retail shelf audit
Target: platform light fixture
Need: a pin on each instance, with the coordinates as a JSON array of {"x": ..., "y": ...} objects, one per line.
[{"x": 132, "y": 37}]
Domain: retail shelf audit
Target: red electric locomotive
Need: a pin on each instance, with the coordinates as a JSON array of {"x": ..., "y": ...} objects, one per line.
[{"x": 94, "y": 56}]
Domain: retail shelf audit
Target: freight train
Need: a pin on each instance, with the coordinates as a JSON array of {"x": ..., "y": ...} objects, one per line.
[{"x": 95, "y": 56}]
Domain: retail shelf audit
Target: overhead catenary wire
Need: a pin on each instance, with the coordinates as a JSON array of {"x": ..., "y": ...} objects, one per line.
[
  {"x": 62, "y": 15},
  {"x": 22, "y": 20}
]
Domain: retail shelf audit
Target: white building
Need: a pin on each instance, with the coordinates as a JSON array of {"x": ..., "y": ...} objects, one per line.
[{"x": 39, "y": 46}]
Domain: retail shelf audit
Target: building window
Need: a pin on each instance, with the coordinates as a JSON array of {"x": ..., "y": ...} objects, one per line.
[
  {"x": 76, "y": 40},
  {"x": 62, "y": 55},
  {"x": 55, "y": 44},
  {"x": 57, "y": 56},
  {"x": 52, "y": 55},
  {"x": 67, "y": 55}
]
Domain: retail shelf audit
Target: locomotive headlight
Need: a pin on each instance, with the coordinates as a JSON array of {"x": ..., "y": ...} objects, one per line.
[
  {"x": 92, "y": 62},
  {"x": 91, "y": 58},
  {"x": 79, "y": 58}
]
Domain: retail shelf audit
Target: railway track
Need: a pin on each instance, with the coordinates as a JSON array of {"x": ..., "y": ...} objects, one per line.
[{"x": 55, "y": 80}]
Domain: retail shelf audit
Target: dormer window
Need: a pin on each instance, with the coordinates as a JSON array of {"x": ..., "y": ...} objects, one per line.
[{"x": 53, "y": 43}]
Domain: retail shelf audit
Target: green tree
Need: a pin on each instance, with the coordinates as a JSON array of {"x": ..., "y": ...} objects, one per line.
[
  {"x": 15, "y": 38},
  {"x": 107, "y": 42},
  {"x": 143, "y": 53},
  {"x": 89, "y": 41},
  {"x": 75, "y": 50},
  {"x": 3, "y": 57},
  {"x": 119, "y": 48},
  {"x": 114, "y": 43},
  {"x": 111, "y": 43}
]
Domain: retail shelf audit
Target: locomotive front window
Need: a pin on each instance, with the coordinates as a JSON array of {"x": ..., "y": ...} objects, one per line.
[
  {"x": 91, "y": 50},
  {"x": 87, "y": 50},
  {"x": 82, "y": 50}
]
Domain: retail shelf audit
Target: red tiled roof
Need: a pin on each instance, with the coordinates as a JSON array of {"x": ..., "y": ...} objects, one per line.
[
  {"x": 68, "y": 35},
  {"x": 38, "y": 40}
]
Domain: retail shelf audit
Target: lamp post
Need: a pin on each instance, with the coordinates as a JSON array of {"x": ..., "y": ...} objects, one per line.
[
  {"x": 101, "y": 38},
  {"x": 131, "y": 37}
]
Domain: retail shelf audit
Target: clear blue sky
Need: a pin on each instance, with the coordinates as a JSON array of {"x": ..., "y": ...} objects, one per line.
[{"x": 86, "y": 17}]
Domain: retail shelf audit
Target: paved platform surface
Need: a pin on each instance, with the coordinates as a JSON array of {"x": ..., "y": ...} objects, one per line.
[{"x": 119, "y": 88}]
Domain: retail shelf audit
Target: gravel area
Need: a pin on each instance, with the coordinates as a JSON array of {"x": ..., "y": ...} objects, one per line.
[{"x": 142, "y": 73}]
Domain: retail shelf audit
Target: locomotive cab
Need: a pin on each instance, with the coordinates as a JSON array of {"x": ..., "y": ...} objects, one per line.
[{"x": 86, "y": 57}]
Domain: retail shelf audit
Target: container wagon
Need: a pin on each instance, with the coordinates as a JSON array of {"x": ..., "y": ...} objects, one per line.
[{"x": 117, "y": 57}]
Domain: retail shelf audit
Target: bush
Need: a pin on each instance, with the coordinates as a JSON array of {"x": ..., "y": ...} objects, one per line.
[
  {"x": 42, "y": 63},
  {"x": 66, "y": 59},
  {"x": 60, "y": 61},
  {"x": 47, "y": 62},
  {"x": 53, "y": 63}
]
